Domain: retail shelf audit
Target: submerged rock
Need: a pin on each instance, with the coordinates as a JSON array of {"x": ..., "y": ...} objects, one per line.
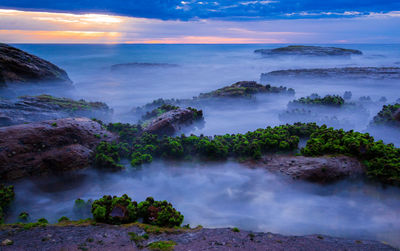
[
  {"x": 301, "y": 50},
  {"x": 17, "y": 66},
  {"x": 45, "y": 107},
  {"x": 49, "y": 146},
  {"x": 372, "y": 73},
  {"x": 315, "y": 169},
  {"x": 170, "y": 122},
  {"x": 135, "y": 65}
]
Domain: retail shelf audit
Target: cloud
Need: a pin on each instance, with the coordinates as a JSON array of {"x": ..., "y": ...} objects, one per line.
[
  {"x": 46, "y": 27},
  {"x": 217, "y": 9}
]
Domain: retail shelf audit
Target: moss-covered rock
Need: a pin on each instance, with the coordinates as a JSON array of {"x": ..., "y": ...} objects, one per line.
[
  {"x": 6, "y": 197},
  {"x": 389, "y": 116}
]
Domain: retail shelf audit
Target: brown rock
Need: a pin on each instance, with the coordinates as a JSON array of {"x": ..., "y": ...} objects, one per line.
[
  {"x": 17, "y": 66},
  {"x": 315, "y": 169},
  {"x": 49, "y": 146},
  {"x": 396, "y": 115},
  {"x": 170, "y": 122}
]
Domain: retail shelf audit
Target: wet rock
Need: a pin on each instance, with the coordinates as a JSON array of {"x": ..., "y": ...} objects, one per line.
[
  {"x": 49, "y": 146},
  {"x": 300, "y": 50},
  {"x": 17, "y": 66},
  {"x": 107, "y": 237},
  {"x": 315, "y": 169},
  {"x": 45, "y": 107},
  {"x": 372, "y": 73},
  {"x": 396, "y": 115},
  {"x": 170, "y": 122}
]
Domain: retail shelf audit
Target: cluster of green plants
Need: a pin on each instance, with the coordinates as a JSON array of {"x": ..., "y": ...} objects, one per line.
[
  {"x": 108, "y": 154},
  {"x": 162, "y": 245},
  {"x": 6, "y": 197},
  {"x": 69, "y": 104},
  {"x": 381, "y": 160},
  {"x": 389, "y": 115},
  {"x": 120, "y": 210},
  {"x": 283, "y": 138},
  {"x": 315, "y": 99}
]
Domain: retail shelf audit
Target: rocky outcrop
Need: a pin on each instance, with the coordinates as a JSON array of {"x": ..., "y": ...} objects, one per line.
[
  {"x": 49, "y": 146},
  {"x": 172, "y": 121},
  {"x": 135, "y": 65},
  {"x": 315, "y": 169},
  {"x": 17, "y": 66},
  {"x": 301, "y": 50},
  {"x": 388, "y": 116},
  {"x": 45, "y": 107},
  {"x": 107, "y": 237},
  {"x": 349, "y": 73},
  {"x": 396, "y": 115},
  {"x": 245, "y": 89}
]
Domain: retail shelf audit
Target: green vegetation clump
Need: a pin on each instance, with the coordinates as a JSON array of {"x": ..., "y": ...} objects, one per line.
[
  {"x": 24, "y": 216},
  {"x": 251, "y": 145},
  {"x": 381, "y": 160},
  {"x": 235, "y": 229},
  {"x": 159, "y": 213},
  {"x": 63, "y": 219},
  {"x": 109, "y": 154},
  {"x": 119, "y": 210},
  {"x": 389, "y": 115},
  {"x": 127, "y": 132},
  {"x": 315, "y": 99},
  {"x": 115, "y": 210},
  {"x": 158, "y": 111},
  {"x": 6, "y": 197},
  {"x": 162, "y": 246}
]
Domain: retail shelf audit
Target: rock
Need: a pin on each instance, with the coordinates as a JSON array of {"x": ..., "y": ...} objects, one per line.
[
  {"x": 45, "y": 107},
  {"x": 49, "y": 146},
  {"x": 301, "y": 50},
  {"x": 118, "y": 237},
  {"x": 372, "y": 73},
  {"x": 396, "y": 115},
  {"x": 135, "y": 65},
  {"x": 315, "y": 169},
  {"x": 170, "y": 122},
  {"x": 245, "y": 89},
  {"x": 7, "y": 242},
  {"x": 17, "y": 66}
]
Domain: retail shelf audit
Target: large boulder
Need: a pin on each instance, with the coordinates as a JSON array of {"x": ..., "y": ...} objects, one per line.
[
  {"x": 301, "y": 50},
  {"x": 17, "y": 66},
  {"x": 49, "y": 146},
  {"x": 45, "y": 107},
  {"x": 170, "y": 122},
  {"x": 315, "y": 169}
]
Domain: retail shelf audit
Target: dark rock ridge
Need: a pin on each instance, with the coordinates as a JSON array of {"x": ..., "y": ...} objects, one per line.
[
  {"x": 315, "y": 169},
  {"x": 107, "y": 237},
  {"x": 372, "y": 73},
  {"x": 46, "y": 107},
  {"x": 135, "y": 65},
  {"x": 172, "y": 121},
  {"x": 301, "y": 50},
  {"x": 17, "y": 66},
  {"x": 49, "y": 146}
]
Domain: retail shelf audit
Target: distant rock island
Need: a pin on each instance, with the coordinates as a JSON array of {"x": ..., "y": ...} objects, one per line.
[
  {"x": 372, "y": 73},
  {"x": 136, "y": 65},
  {"x": 301, "y": 50},
  {"x": 17, "y": 66}
]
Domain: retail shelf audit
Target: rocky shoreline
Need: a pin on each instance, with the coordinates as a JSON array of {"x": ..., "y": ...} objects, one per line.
[{"x": 130, "y": 237}]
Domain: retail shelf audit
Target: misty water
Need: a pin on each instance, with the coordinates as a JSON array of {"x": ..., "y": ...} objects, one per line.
[{"x": 227, "y": 193}]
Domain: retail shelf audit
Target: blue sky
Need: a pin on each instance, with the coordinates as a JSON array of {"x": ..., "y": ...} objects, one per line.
[
  {"x": 226, "y": 9},
  {"x": 195, "y": 21}
]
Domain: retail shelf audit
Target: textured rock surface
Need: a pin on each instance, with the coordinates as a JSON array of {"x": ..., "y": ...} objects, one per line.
[
  {"x": 106, "y": 237},
  {"x": 45, "y": 107},
  {"x": 49, "y": 146},
  {"x": 300, "y": 50},
  {"x": 373, "y": 73},
  {"x": 17, "y": 66},
  {"x": 170, "y": 122},
  {"x": 314, "y": 169}
]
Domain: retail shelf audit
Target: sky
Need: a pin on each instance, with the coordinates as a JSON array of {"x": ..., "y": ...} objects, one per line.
[{"x": 194, "y": 21}]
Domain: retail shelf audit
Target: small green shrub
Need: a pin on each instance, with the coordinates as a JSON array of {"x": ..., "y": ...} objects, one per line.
[
  {"x": 159, "y": 213},
  {"x": 63, "y": 219},
  {"x": 162, "y": 245},
  {"x": 235, "y": 229}
]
